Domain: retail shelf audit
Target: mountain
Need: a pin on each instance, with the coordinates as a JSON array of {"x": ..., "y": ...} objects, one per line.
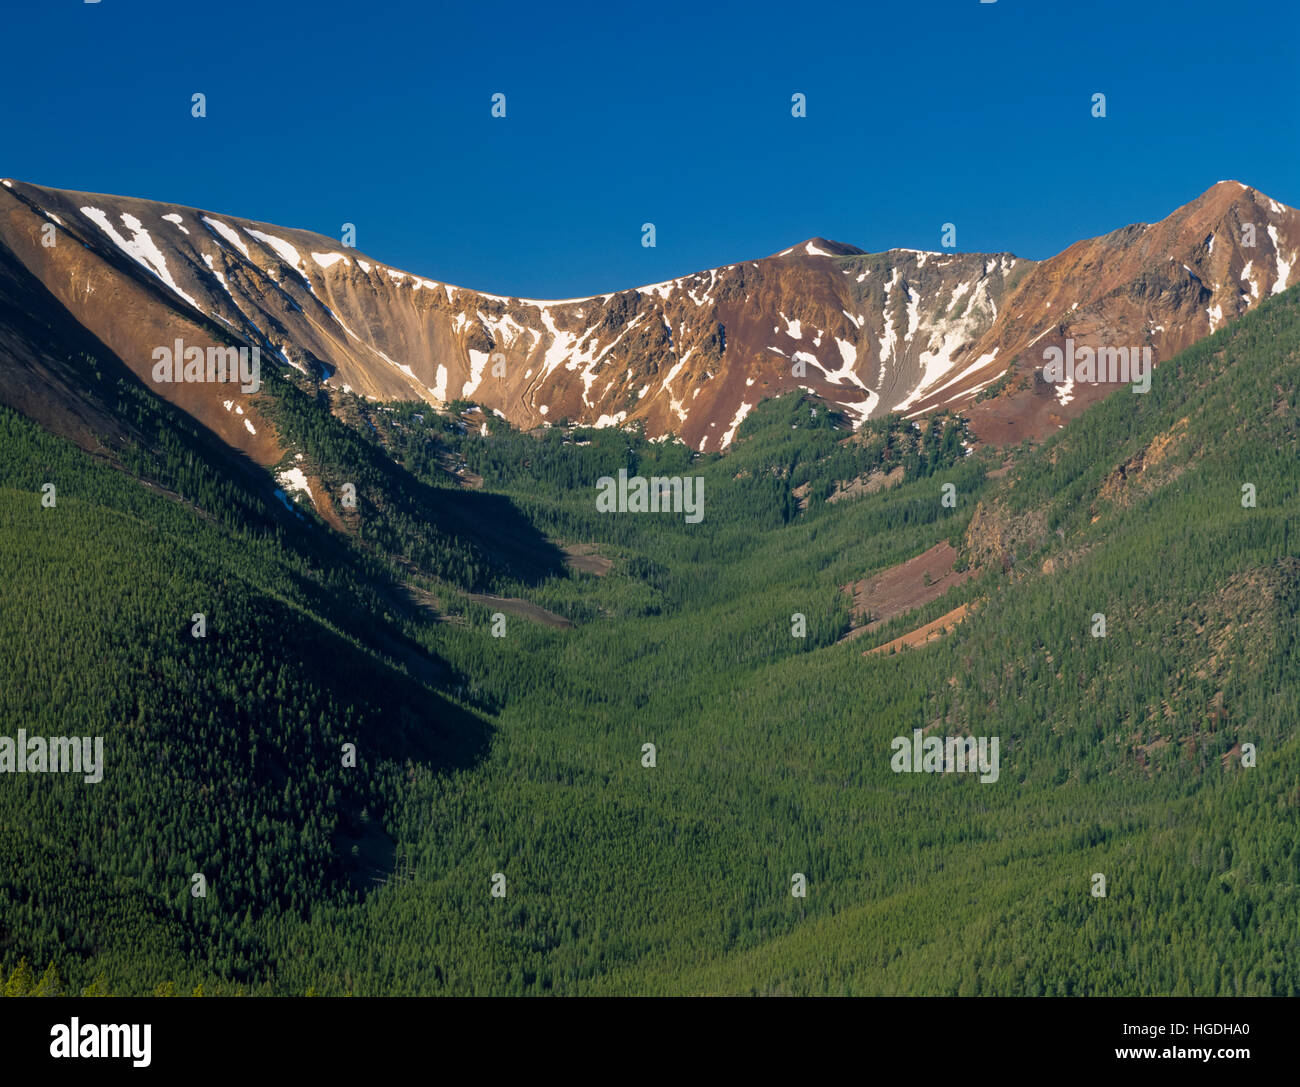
[{"x": 902, "y": 331}]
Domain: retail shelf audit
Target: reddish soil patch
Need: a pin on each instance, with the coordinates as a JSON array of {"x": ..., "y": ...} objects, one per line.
[
  {"x": 324, "y": 504},
  {"x": 935, "y": 629},
  {"x": 903, "y": 588}
]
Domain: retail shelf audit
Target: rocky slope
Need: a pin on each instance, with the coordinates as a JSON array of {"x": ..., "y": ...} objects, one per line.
[{"x": 903, "y": 331}]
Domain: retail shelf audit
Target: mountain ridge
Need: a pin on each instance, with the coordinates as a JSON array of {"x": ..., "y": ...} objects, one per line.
[{"x": 905, "y": 330}]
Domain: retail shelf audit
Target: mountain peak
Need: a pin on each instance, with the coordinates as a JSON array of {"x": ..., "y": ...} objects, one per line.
[
  {"x": 1228, "y": 192},
  {"x": 820, "y": 247}
]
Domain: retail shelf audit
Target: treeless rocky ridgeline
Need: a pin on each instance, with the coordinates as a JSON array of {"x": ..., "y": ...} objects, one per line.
[
  {"x": 132, "y": 313},
  {"x": 903, "y": 331}
]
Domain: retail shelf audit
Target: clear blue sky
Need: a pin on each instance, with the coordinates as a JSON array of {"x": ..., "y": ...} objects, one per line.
[{"x": 919, "y": 113}]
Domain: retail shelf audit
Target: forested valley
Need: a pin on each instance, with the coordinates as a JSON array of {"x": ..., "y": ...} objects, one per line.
[{"x": 494, "y": 827}]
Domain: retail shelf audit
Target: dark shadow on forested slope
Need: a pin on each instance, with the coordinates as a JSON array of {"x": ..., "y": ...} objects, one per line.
[
  {"x": 500, "y": 528},
  {"x": 478, "y": 542}
]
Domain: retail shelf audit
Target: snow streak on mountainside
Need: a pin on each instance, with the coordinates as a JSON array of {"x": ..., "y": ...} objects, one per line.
[{"x": 903, "y": 331}]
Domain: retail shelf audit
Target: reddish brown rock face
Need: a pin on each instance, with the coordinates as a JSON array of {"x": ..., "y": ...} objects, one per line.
[{"x": 872, "y": 333}]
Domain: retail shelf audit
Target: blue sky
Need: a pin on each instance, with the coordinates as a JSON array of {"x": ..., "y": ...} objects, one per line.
[{"x": 918, "y": 113}]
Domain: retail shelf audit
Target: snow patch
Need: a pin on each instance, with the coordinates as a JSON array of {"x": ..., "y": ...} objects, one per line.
[
  {"x": 974, "y": 367},
  {"x": 229, "y": 234},
  {"x": 663, "y": 290},
  {"x": 283, "y": 250},
  {"x": 139, "y": 247},
  {"x": 294, "y": 479},
  {"x": 207, "y": 259},
  {"x": 1245, "y": 274},
  {"x": 561, "y": 343},
  {"x": 959, "y": 294},
  {"x": 1283, "y": 266},
  {"x": 738, "y": 418},
  {"x": 913, "y": 312},
  {"x": 863, "y": 408},
  {"x": 478, "y": 361},
  {"x": 947, "y": 339}
]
